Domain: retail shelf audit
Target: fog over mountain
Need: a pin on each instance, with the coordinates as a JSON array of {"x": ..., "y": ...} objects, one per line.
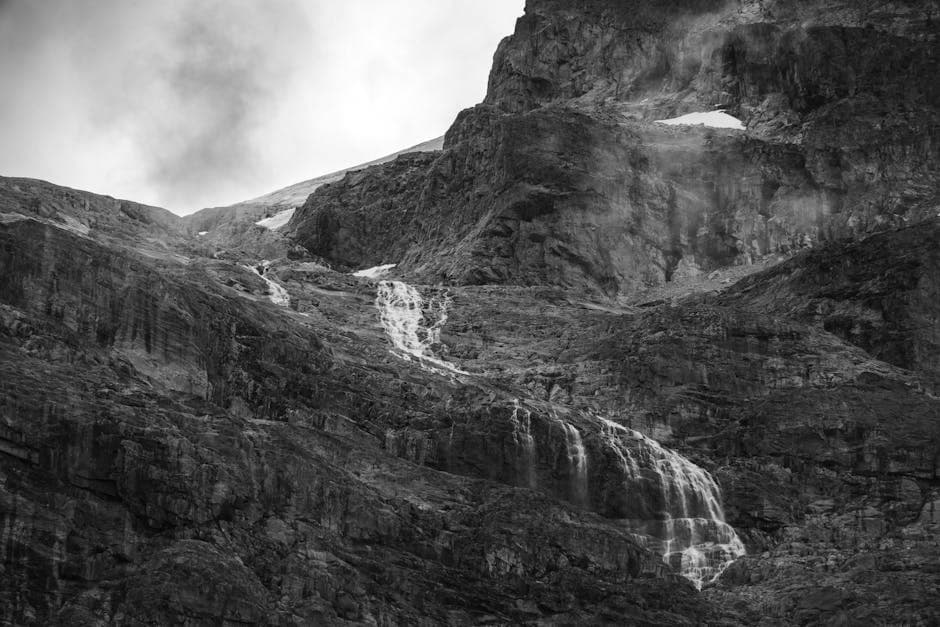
[{"x": 192, "y": 104}]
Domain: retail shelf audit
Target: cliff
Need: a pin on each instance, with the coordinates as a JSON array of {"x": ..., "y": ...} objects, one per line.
[{"x": 562, "y": 177}]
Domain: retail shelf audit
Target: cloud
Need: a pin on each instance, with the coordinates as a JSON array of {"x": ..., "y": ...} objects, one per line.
[
  {"x": 194, "y": 102},
  {"x": 186, "y": 103}
]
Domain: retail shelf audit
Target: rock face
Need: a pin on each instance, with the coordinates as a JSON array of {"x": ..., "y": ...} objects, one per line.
[
  {"x": 561, "y": 177},
  {"x": 639, "y": 351},
  {"x": 175, "y": 450},
  {"x": 879, "y": 294},
  {"x": 119, "y": 223}
]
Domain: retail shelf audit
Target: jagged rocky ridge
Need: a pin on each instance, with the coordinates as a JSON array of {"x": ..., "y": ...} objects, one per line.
[{"x": 177, "y": 448}]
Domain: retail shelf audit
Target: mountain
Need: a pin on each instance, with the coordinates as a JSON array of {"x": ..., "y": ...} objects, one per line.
[
  {"x": 250, "y": 225},
  {"x": 562, "y": 176},
  {"x": 618, "y": 368}
]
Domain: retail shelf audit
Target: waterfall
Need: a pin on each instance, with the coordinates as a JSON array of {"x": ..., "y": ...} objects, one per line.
[
  {"x": 278, "y": 295},
  {"x": 679, "y": 512},
  {"x": 577, "y": 462},
  {"x": 521, "y": 420},
  {"x": 405, "y": 314}
]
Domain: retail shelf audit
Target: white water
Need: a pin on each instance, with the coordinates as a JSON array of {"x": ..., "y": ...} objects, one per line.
[
  {"x": 522, "y": 437},
  {"x": 577, "y": 461},
  {"x": 278, "y": 295},
  {"x": 375, "y": 271},
  {"x": 687, "y": 527},
  {"x": 405, "y": 314},
  {"x": 712, "y": 119}
]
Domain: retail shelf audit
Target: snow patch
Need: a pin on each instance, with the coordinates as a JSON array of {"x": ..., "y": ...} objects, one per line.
[
  {"x": 374, "y": 272},
  {"x": 277, "y": 220},
  {"x": 712, "y": 119},
  {"x": 201, "y": 233},
  {"x": 71, "y": 224}
]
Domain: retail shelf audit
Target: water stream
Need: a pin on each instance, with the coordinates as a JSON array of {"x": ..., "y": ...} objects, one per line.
[
  {"x": 276, "y": 293},
  {"x": 578, "y": 462},
  {"x": 677, "y": 505},
  {"x": 414, "y": 324}
]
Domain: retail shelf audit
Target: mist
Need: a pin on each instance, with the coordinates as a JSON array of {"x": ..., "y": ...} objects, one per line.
[{"x": 187, "y": 104}]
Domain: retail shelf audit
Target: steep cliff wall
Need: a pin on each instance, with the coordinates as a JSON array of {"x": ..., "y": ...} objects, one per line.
[
  {"x": 562, "y": 176},
  {"x": 670, "y": 56},
  {"x": 881, "y": 294}
]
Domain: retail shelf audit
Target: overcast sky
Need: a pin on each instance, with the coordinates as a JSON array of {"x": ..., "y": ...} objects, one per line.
[{"x": 186, "y": 104}]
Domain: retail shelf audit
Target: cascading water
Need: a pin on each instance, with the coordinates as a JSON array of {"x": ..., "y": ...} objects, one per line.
[
  {"x": 276, "y": 293},
  {"x": 678, "y": 512},
  {"x": 577, "y": 461},
  {"x": 522, "y": 436},
  {"x": 672, "y": 505},
  {"x": 405, "y": 314},
  {"x": 375, "y": 271}
]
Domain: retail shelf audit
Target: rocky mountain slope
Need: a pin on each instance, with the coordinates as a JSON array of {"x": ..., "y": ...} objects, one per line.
[
  {"x": 180, "y": 450},
  {"x": 613, "y": 356},
  {"x": 561, "y": 176}
]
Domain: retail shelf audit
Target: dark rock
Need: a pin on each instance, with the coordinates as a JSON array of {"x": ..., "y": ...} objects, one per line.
[
  {"x": 262, "y": 494},
  {"x": 881, "y": 294},
  {"x": 561, "y": 178}
]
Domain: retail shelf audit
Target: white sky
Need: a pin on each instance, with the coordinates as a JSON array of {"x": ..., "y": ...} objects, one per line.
[{"x": 186, "y": 104}]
